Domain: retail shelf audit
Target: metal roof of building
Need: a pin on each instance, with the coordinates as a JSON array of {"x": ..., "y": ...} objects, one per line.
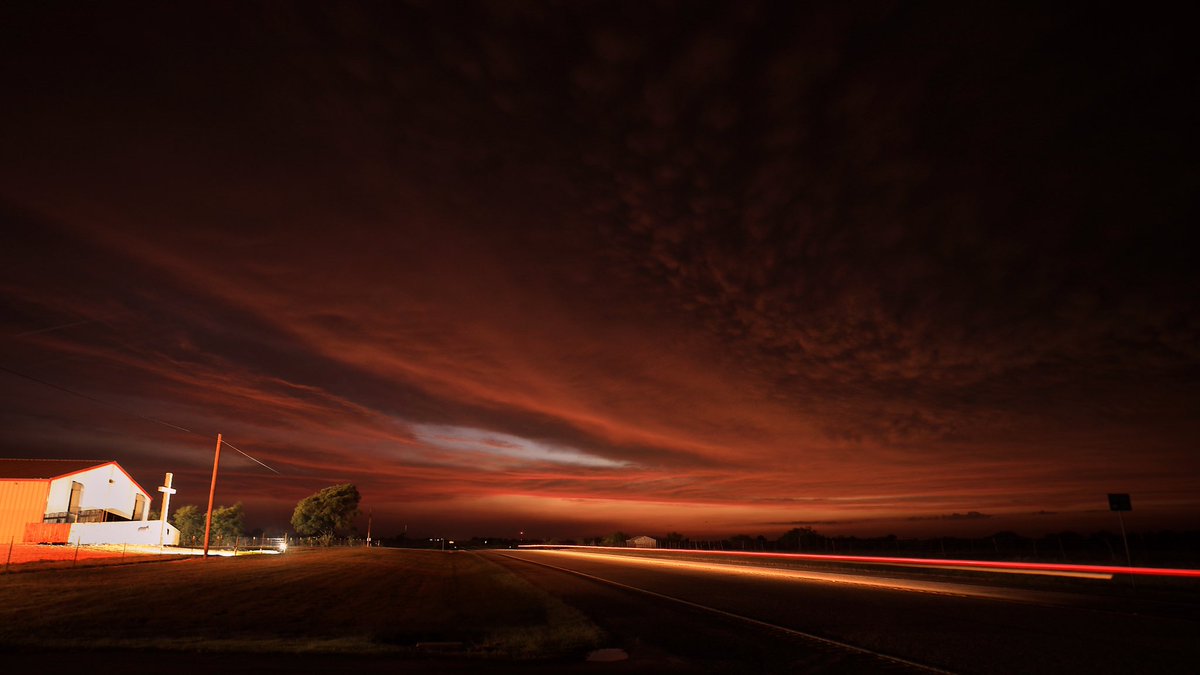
[{"x": 46, "y": 468}]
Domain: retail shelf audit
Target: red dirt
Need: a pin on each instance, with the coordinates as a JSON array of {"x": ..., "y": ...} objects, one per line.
[{"x": 26, "y": 554}]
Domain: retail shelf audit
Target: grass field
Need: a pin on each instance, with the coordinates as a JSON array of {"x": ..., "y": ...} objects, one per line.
[{"x": 316, "y": 600}]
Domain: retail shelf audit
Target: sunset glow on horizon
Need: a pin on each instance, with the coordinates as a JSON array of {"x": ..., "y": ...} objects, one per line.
[{"x": 579, "y": 273}]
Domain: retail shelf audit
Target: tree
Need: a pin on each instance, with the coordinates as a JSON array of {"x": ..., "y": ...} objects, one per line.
[
  {"x": 674, "y": 540},
  {"x": 326, "y": 512},
  {"x": 189, "y": 520},
  {"x": 616, "y": 539},
  {"x": 801, "y": 538},
  {"x": 228, "y": 523},
  {"x": 741, "y": 542}
]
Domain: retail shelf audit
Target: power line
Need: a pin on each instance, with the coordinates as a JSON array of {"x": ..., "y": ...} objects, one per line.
[
  {"x": 93, "y": 399},
  {"x": 128, "y": 411},
  {"x": 225, "y": 442},
  {"x": 53, "y": 328}
]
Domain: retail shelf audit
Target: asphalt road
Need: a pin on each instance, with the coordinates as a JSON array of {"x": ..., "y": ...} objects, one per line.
[{"x": 958, "y": 627}]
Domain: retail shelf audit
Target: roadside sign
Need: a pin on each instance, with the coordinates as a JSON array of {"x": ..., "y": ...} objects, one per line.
[{"x": 1119, "y": 502}]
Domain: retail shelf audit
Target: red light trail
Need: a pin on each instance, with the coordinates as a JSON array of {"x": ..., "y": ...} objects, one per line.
[{"x": 982, "y": 565}]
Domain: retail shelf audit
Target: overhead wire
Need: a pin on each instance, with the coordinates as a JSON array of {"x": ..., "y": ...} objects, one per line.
[
  {"x": 93, "y": 399},
  {"x": 128, "y": 411},
  {"x": 53, "y": 328},
  {"x": 225, "y": 442}
]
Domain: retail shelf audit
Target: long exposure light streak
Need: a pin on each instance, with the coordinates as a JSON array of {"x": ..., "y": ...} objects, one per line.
[
  {"x": 981, "y": 565},
  {"x": 792, "y": 574},
  {"x": 707, "y": 608}
]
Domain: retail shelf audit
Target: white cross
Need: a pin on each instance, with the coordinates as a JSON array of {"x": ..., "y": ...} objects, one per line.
[{"x": 167, "y": 491}]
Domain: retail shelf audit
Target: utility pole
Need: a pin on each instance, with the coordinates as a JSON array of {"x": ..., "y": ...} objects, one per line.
[
  {"x": 370, "y": 514},
  {"x": 1125, "y": 540},
  {"x": 1120, "y": 502},
  {"x": 212, "y": 490}
]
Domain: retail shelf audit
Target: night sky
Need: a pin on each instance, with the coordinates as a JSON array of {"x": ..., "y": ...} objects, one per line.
[{"x": 568, "y": 268}]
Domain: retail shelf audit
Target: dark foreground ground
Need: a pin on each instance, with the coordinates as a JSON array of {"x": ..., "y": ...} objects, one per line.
[
  {"x": 383, "y": 602},
  {"x": 387, "y": 610},
  {"x": 971, "y": 623}
]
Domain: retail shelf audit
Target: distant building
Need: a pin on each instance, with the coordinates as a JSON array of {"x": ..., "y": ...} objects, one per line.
[
  {"x": 642, "y": 541},
  {"x": 58, "y": 501}
]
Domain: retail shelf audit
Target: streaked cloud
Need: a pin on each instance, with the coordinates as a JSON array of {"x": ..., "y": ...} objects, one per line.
[{"x": 480, "y": 442}]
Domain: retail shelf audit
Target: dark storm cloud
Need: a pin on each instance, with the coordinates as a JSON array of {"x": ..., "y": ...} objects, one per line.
[
  {"x": 912, "y": 239},
  {"x": 725, "y": 263}
]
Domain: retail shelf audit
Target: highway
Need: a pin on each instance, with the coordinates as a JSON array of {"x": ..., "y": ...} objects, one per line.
[{"x": 699, "y": 615}]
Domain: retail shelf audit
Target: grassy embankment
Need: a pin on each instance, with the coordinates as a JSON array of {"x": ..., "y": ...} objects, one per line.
[{"x": 337, "y": 600}]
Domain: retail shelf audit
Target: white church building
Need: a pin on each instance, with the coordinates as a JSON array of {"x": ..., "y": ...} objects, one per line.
[{"x": 59, "y": 501}]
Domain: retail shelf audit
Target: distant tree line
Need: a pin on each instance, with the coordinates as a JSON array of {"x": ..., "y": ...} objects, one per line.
[
  {"x": 321, "y": 517},
  {"x": 1149, "y": 548},
  {"x": 1161, "y": 548}
]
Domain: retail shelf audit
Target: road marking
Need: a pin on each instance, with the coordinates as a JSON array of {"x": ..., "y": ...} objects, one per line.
[{"x": 761, "y": 624}]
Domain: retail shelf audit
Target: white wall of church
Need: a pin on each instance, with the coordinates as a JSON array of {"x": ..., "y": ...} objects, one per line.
[
  {"x": 131, "y": 532},
  {"x": 104, "y": 487}
]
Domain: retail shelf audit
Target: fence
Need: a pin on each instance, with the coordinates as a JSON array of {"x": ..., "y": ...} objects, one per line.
[
  {"x": 17, "y": 556},
  {"x": 262, "y": 543},
  {"x": 336, "y": 541}
]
